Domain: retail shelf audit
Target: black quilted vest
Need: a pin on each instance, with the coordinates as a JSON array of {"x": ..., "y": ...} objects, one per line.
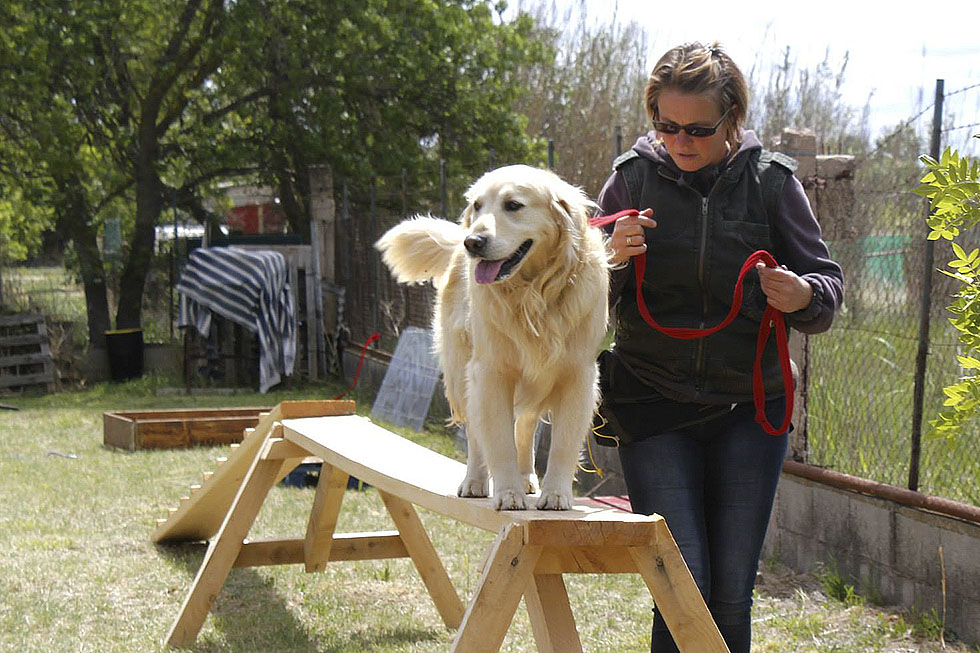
[{"x": 693, "y": 259}]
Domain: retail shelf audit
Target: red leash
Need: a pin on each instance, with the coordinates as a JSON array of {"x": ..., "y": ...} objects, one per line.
[
  {"x": 770, "y": 316},
  {"x": 360, "y": 361}
]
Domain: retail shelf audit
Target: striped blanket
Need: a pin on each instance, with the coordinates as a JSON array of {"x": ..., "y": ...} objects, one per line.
[{"x": 250, "y": 288}]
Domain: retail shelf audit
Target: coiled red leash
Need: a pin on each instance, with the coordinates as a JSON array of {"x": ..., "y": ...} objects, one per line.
[{"x": 770, "y": 317}]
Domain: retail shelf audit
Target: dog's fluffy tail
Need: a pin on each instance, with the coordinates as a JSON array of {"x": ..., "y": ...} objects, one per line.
[{"x": 420, "y": 249}]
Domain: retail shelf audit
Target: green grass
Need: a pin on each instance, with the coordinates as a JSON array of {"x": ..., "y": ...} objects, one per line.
[{"x": 79, "y": 572}]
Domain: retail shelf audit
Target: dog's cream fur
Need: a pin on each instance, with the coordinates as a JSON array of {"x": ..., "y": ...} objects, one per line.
[{"x": 520, "y": 347}]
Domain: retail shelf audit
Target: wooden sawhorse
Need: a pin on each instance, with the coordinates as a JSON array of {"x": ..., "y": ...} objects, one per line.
[{"x": 528, "y": 557}]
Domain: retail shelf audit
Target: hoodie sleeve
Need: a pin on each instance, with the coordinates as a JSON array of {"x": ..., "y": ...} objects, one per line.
[
  {"x": 614, "y": 197},
  {"x": 799, "y": 246}
]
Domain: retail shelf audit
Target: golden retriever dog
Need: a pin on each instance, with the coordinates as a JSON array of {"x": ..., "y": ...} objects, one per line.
[{"x": 520, "y": 313}]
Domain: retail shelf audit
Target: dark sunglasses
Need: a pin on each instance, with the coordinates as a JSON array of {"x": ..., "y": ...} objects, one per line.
[{"x": 696, "y": 131}]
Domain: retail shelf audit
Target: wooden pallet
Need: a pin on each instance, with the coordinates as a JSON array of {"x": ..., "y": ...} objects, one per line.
[
  {"x": 532, "y": 550},
  {"x": 25, "y": 356}
]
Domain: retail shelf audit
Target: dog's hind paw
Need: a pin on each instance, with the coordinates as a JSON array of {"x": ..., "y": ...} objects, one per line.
[
  {"x": 554, "y": 501},
  {"x": 509, "y": 499},
  {"x": 474, "y": 488}
]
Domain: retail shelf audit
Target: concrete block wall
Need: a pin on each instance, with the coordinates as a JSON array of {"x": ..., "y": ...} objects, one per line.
[{"x": 888, "y": 551}]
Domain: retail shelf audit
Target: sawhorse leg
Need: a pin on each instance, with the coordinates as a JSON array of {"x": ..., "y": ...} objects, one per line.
[
  {"x": 426, "y": 560},
  {"x": 510, "y": 573},
  {"x": 330, "y": 489},
  {"x": 507, "y": 573},
  {"x": 676, "y": 595},
  {"x": 551, "y": 616},
  {"x": 224, "y": 548}
]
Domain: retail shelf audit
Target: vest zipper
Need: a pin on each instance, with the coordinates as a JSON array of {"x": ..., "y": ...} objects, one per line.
[{"x": 699, "y": 356}]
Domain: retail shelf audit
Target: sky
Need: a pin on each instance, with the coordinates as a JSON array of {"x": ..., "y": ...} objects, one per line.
[{"x": 897, "y": 50}]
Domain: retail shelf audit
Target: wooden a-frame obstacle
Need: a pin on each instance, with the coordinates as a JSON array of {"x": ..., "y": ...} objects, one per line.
[{"x": 531, "y": 552}]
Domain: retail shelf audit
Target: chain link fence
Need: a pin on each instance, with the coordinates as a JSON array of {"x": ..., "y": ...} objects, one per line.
[{"x": 893, "y": 339}]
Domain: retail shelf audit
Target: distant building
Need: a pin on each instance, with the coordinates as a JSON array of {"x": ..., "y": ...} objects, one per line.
[{"x": 255, "y": 210}]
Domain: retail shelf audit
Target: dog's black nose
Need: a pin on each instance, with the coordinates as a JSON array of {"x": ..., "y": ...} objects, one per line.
[{"x": 476, "y": 244}]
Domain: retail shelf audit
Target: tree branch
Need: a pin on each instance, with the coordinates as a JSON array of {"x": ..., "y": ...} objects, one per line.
[{"x": 178, "y": 60}]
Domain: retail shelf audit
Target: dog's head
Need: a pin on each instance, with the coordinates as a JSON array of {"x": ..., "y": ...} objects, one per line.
[{"x": 522, "y": 219}]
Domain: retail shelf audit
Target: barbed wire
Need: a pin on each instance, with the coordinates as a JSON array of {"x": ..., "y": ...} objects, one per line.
[
  {"x": 962, "y": 90},
  {"x": 949, "y": 129},
  {"x": 902, "y": 126}
]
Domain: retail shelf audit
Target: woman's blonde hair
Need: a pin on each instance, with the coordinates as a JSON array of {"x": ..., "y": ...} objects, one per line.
[{"x": 695, "y": 68}]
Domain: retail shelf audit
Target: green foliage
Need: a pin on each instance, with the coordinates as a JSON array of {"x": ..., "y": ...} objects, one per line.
[
  {"x": 589, "y": 83},
  {"x": 21, "y": 225},
  {"x": 837, "y": 588},
  {"x": 952, "y": 186},
  {"x": 121, "y": 108}
]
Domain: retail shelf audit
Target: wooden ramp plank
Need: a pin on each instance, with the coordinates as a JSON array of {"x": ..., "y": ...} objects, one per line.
[
  {"x": 199, "y": 517},
  {"x": 428, "y": 479}
]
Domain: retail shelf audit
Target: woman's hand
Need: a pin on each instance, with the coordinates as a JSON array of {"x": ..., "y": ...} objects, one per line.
[
  {"x": 627, "y": 238},
  {"x": 785, "y": 290}
]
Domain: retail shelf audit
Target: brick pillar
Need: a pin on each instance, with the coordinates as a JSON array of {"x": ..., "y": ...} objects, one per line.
[{"x": 829, "y": 184}]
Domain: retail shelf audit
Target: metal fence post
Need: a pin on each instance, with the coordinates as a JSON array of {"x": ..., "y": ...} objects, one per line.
[
  {"x": 404, "y": 192},
  {"x": 173, "y": 266},
  {"x": 551, "y": 154},
  {"x": 926, "y": 309},
  {"x": 442, "y": 188},
  {"x": 619, "y": 142},
  {"x": 347, "y": 230},
  {"x": 375, "y": 264}
]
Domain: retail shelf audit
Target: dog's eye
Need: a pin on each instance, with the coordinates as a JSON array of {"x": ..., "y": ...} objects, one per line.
[
  {"x": 513, "y": 205},
  {"x": 477, "y": 205}
]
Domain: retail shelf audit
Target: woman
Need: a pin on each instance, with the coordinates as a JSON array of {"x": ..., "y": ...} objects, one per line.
[{"x": 682, "y": 410}]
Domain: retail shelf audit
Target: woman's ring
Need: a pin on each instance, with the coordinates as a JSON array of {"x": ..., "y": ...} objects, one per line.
[{"x": 629, "y": 241}]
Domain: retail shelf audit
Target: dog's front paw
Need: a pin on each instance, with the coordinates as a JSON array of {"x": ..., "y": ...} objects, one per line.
[
  {"x": 509, "y": 499},
  {"x": 531, "y": 483},
  {"x": 555, "y": 501},
  {"x": 474, "y": 487}
]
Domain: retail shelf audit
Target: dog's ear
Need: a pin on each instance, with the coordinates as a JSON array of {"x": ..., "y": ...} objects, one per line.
[
  {"x": 466, "y": 216},
  {"x": 572, "y": 202}
]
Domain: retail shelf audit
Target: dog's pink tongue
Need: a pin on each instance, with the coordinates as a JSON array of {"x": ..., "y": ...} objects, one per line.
[{"x": 486, "y": 271}]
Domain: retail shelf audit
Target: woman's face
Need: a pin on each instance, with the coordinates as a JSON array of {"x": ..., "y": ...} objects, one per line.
[{"x": 691, "y": 153}]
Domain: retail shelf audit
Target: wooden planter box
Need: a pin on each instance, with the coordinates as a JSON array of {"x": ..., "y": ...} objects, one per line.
[{"x": 168, "y": 429}]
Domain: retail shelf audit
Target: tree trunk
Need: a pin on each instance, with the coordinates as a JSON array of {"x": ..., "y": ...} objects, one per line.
[
  {"x": 74, "y": 223},
  {"x": 149, "y": 204}
]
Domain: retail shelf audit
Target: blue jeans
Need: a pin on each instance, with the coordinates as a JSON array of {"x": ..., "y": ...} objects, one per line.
[{"x": 714, "y": 483}]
